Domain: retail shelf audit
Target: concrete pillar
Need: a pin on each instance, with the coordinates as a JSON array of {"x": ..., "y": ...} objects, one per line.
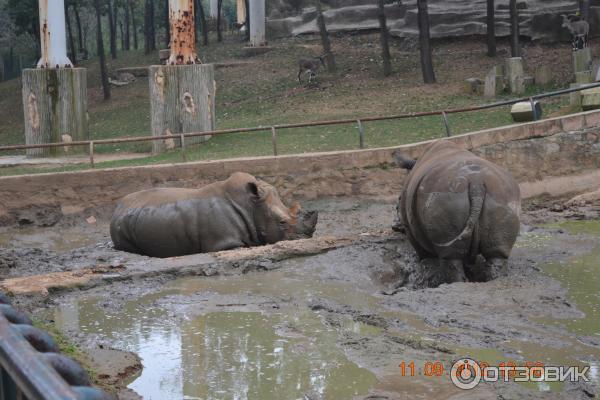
[
  {"x": 182, "y": 93},
  {"x": 257, "y": 23},
  {"x": 53, "y": 42},
  {"x": 214, "y": 8},
  {"x": 515, "y": 75},
  {"x": 183, "y": 33},
  {"x": 582, "y": 60},
  {"x": 241, "y": 11},
  {"x": 55, "y": 93}
]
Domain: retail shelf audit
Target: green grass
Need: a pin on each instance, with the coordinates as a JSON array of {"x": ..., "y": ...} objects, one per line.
[{"x": 266, "y": 93}]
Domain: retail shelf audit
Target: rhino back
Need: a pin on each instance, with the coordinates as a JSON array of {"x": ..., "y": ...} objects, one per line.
[
  {"x": 188, "y": 226},
  {"x": 436, "y": 201}
]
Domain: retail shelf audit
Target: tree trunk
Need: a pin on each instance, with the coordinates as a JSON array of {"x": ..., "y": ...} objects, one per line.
[
  {"x": 122, "y": 32},
  {"x": 174, "y": 109},
  {"x": 329, "y": 58},
  {"x": 73, "y": 55},
  {"x": 515, "y": 50},
  {"x": 425, "y": 42},
  {"x": 247, "y": 38},
  {"x": 491, "y": 29},
  {"x": 385, "y": 39},
  {"x": 100, "y": 45},
  {"x": 126, "y": 42},
  {"x": 82, "y": 46},
  {"x": 133, "y": 24},
  {"x": 584, "y": 9},
  {"x": 167, "y": 24},
  {"x": 55, "y": 106},
  {"x": 202, "y": 24},
  {"x": 112, "y": 31},
  {"x": 149, "y": 30},
  {"x": 219, "y": 21}
]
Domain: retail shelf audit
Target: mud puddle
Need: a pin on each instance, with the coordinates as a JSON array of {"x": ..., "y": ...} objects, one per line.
[{"x": 189, "y": 352}]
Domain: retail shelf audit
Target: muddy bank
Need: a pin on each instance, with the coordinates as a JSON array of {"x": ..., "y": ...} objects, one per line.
[{"x": 337, "y": 322}]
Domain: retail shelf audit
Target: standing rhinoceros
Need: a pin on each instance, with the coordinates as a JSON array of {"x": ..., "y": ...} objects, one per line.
[
  {"x": 456, "y": 206},
  {"x": 241, "y": 211}
]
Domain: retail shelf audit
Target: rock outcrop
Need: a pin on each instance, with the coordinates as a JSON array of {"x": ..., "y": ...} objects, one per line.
[{"x": 539, "y": 19}]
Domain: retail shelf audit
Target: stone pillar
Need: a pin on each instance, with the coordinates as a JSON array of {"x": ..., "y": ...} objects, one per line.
[
  {"x": 182, "y": 93},
  {"x": 257, "y": 23},
  {"x": 515, "y": 75},
  {"x": 582, "y": 60},
  {"x": 214, "y": 8},
  {"x": 241, "y": 11},
  {"x": 54, "y": 94}
]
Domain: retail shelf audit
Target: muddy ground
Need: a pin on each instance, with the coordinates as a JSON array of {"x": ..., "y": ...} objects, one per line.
[{"x": 332, "y": 323}]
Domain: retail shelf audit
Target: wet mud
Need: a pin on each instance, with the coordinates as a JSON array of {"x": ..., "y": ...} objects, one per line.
[{"x": 353, "y": 322}]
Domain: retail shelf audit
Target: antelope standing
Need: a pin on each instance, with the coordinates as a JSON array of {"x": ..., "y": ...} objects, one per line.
[
  {"x": 309, "y": 66},
  {"x": 579, "y": 30}
]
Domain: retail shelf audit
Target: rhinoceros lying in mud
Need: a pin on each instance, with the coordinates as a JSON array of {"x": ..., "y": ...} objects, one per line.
[
  {"x": 241, "y": 211},
  {"x": 457, "y": 206}
]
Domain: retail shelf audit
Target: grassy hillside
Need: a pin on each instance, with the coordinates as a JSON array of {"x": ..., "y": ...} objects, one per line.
[{"x": 266, "y": 92}]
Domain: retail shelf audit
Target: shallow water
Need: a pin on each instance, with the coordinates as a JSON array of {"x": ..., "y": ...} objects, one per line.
[{"x": 237, "y": 354}]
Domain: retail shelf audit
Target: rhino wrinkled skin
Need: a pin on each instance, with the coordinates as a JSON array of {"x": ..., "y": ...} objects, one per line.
[
  {"x": 456, "y": 206},
  {"x": 241, "y": 211}
]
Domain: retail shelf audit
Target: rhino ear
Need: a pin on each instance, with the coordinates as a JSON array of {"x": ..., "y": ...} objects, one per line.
[{"x": 252, "y": 188}]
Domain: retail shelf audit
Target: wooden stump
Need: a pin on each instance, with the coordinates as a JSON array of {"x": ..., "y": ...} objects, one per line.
[
  {"x": 55, "y": 109},
  {"x": 182, "y": 100}
]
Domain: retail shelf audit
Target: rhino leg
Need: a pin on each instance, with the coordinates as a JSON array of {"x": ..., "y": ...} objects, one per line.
[{"x": 454, "y": 269}]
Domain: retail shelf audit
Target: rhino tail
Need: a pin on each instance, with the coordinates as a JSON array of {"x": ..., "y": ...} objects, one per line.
[{"x": 477, "y": 192}]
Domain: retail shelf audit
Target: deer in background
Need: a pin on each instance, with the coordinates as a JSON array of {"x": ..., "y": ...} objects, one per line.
[
  {"x": 579, "y": 30},
  {"x": 309, "y": 66}
]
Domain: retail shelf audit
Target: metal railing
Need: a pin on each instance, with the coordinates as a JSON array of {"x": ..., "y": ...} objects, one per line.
[
  {"x": 274, "y": 128},
  {"x": 31, "y": 366}
]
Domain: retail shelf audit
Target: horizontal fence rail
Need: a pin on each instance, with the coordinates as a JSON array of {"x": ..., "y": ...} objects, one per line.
[
  {"x": 273, "y": 128},
  {"x": 31, "y": 367}
]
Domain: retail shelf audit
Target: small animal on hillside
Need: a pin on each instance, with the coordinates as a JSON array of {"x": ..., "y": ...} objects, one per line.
[
  {"x": 579, "y": 30},
  {"x": 309, "y": 66}
]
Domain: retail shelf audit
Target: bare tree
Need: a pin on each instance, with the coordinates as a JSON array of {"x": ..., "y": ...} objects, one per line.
[
  {"x": 515, "y": 48},
  {"x": 247, "y": 4},
  {"x": 425, "y": 42},
  {"x": 82, "y": 47},
  {"x": 491, "y": 28},
  {"x": 133, "y": 24},
  {"x": 327, "y": 54},
  {"x": 149, "y": 28},
  {"x": 72, "y": 48},
  {"x": 126, "y": 41},
  {"x": 167, "y": 23},
  {"x": 202, "y": 23},
  {"x": 100, "y": 45},
  {"x": 112, "y": 30},
  {"x": 219, "y": 21},
  {"x": 385, "y": 39},
  {"x": 584, "y": 9}
]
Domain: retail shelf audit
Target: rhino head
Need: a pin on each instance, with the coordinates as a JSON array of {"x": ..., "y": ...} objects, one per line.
[{"x": 275, "y": 221}]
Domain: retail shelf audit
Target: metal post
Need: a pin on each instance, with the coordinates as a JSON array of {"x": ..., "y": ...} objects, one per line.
[
  {"x": 183, "y": 33},
  {"x": 92, "y": 154},
  {"x": 361, "y": 134},
  {"x": 274, "y": 140},
  {"x": 182, "y": 139},
  {"x": 534, "y": 115},
  {"x": 446, "y": 124},
  {"x": 53, "y": 36}
]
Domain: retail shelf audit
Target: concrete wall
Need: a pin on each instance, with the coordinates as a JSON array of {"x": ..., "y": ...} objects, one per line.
[{"x": 540, "y": 155}]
